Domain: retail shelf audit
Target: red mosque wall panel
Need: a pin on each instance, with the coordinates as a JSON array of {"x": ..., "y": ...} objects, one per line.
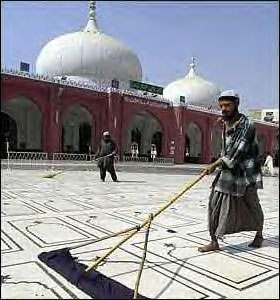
[
  {"x": 114, "y": 112},
  {"x": 269, "y": 133}
]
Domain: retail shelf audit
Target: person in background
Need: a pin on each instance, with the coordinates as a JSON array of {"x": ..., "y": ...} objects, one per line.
[
  {"x": 269, "y": 164},
  {"x": 105, "y": 157},
  {"x": 153, "y": 152},
  {"x": 187, "y": 152},
  {"x": 134, "y": 150}
]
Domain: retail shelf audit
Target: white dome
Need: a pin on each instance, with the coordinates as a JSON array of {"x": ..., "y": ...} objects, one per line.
[
  {"x": 195, "y": 89},
  {"x": 90, "y": 54}
]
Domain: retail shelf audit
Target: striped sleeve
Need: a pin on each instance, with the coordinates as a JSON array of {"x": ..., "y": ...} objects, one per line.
[{"x": 239, "y": 147}]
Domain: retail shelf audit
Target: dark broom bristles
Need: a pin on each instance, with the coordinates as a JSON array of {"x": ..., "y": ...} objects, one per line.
[{"x": 93, "y": 283}]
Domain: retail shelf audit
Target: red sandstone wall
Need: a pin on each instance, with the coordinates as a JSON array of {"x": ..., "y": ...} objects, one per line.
[{"x": 114, "y": 111}]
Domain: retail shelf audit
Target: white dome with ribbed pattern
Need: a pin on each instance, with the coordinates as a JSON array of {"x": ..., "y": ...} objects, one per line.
[{"x": 90, "y": 54}]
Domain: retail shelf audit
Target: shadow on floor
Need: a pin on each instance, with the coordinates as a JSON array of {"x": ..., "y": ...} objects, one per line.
[
  {"x": 131, "y": 181},
  {"x": 243, "y": 247}
]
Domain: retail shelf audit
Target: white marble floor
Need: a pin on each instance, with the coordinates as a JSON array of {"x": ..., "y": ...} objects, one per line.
[{"x": 39, "y": 214}]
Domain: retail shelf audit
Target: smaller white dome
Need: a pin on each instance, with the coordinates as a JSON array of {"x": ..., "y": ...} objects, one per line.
[{"x": 195, "y": 89}]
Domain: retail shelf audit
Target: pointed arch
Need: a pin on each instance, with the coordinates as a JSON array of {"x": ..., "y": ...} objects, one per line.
[
  {"x": 193, "y": 136},
  {"x": 28, "y": 119},
  {"x": 144, "y": 129},
  {"x": 76, "y": 132}
]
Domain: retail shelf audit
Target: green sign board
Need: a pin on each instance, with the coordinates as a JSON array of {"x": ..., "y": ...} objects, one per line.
[{"x": 146, "y": 87}]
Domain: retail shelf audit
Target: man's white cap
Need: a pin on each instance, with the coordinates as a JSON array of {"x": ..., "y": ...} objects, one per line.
[
  {"x": 229, "y": 93},
  {"x": 106, "y": 133}
]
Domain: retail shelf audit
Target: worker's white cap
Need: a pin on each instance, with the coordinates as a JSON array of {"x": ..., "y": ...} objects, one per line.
[
  {"x": 106, "y": 133},
  {"x": 230, "y": 94}
]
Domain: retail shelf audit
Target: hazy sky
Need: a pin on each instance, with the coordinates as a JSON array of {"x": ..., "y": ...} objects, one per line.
[{"x": 236, "y": 44}]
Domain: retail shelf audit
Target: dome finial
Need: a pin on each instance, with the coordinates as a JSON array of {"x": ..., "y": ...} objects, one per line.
[
  {"x": 92, "y": 10},
  {"x": 193, "y": 67},
  {"x": 92, "y": 24}
]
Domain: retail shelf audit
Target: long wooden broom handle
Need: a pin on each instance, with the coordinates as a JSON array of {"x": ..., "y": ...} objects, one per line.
[
  {"x": 173, "y": 199},
  {"x": 104, "y": 237}
]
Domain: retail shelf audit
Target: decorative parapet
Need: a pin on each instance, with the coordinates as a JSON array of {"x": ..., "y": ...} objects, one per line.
[
  {"x": 155, "y": 100},
  {"x": 105, "y": 87},
  {"x": 61, "y": 81},
  {"x": 202, "y": 109}
]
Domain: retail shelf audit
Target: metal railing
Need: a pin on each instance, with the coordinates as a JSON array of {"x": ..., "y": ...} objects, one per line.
[
  {"x": 27, "y": 155},
  {"x": 20, "y": 159},
  {"x": 139, "y": 158},
  {"x": 164, "y": 160},
  {"x": 69, "y": 156}
]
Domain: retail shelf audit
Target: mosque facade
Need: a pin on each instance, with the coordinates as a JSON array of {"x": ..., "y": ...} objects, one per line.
[{"x": 82, "y": 87}]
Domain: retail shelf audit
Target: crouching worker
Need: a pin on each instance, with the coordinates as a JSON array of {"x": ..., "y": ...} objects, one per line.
[
  {"x": 233, "y": 203},
  {"x": 105, "y": 157}
]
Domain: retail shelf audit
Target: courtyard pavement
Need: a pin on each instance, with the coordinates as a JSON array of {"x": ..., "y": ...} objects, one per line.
[{"x": 40, "y": 214}]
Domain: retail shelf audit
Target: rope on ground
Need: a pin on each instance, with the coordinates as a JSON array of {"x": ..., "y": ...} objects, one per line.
[
  {"x": 143, "y": 257},
  {"x": 94, "y": 264}
]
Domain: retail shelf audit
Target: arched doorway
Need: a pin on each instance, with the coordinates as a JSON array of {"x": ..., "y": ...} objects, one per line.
[
  {"x": 8, "y": 134},
  {"x": 145, "y": 130},
  {"x": 27, "y": 120},
  {"x": 76, "y": 135},
  {"x": 194, "y": 139}
]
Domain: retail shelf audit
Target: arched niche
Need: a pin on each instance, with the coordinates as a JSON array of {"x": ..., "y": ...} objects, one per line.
[
  {"x": 144, "y": 129},
  {"x": 27, "y": 120},
  {"x": 193, "y": 141},
  {"x": 77, "y": 128}
]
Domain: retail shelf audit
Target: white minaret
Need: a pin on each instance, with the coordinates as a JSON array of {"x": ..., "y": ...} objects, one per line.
[{"x": 92, "y": 24}]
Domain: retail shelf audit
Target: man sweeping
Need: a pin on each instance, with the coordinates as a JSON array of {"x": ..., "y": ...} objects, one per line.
[
  {"x": 233, "y": 203},
  {"x": 105, "y": 157}
]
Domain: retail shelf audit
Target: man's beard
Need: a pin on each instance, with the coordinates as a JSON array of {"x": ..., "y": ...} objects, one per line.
[{"x": 227, "y": 116}]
